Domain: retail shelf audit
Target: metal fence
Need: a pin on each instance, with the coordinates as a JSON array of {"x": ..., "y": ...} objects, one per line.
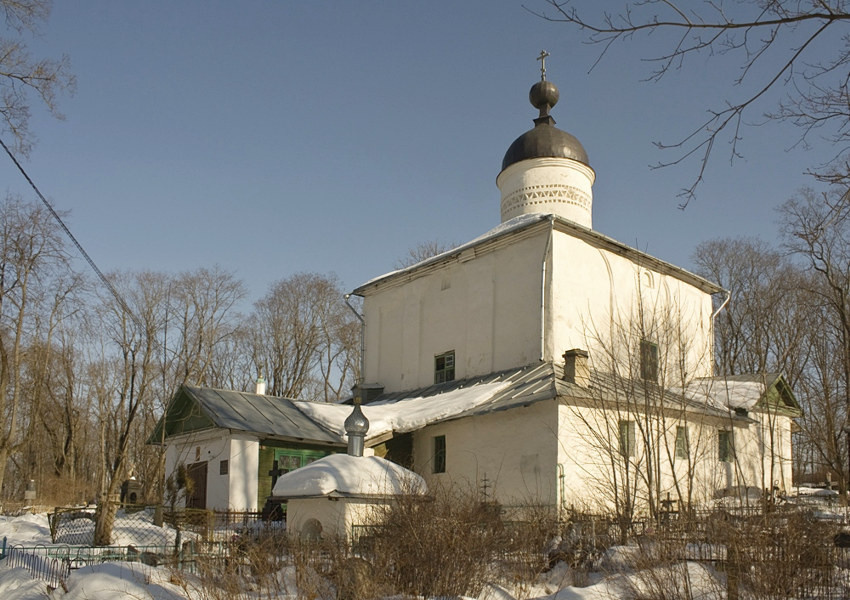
[
  {"x": 788, "y": 553},
  {"x": 792, "y": 549},
  {"x": 53, "y": 570},
  {"x": 155, "y": 526}
]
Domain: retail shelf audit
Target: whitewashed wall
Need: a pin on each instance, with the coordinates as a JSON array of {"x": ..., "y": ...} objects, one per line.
[
  {"x": 330, "y": 513},
  {"x": 244, "y": 467},
  {"x": 337, "y": 515},
  {"x": 604, "y": 303},
  {"x": 485, "y": 308},
  {"x": 515, "y": 450},
  {"x": 238, "y": 489},
  {"x": 589, "y": 439},
  {"x": 768, "y": 443}
]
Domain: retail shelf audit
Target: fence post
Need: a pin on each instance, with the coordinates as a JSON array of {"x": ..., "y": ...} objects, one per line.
[{"x": 733, "y": 567}]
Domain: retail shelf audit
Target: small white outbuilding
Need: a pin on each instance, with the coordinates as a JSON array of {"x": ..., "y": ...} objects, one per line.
[{"x": 335, "y": 495}]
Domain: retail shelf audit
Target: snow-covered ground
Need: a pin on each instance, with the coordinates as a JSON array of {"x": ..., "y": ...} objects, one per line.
[
  {"x": 138, "y": 581},
  {"x": 134, "y": 580}
]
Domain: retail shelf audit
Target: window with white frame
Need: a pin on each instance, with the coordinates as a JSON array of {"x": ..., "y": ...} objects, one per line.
[{"x": 444, "y": 367}]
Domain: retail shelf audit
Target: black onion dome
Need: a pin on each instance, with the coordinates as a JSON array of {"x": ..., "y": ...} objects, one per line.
[
  {"x": 356, "y": 422},
  {"x": 545, "y": 140}
]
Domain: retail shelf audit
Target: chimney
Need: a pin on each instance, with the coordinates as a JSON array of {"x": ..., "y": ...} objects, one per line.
[
  {"x": 370, "y": 392},
  {"x": 261, "y": 386},
  {"x": 356, "y": 426},
  {"x": 576, "y": 368}
]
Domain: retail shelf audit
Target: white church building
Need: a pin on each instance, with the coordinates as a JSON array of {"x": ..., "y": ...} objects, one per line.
[{"x": 544, "y": 363}]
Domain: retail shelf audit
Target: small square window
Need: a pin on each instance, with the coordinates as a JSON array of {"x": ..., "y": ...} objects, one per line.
[
  {"x": 682, "y": 447},
  {"x": 627, "y": 438},
  {"x": 725, "y": 446},
  {"x": 439, "y": 461},
  {"x": 444, "y": 367},
  {"x": 223, "y": 467},
  {"x": 648, "y": 360}
]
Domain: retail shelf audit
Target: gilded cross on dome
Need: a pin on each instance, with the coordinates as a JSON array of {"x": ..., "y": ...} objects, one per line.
[{"x": 542, "y": 59}]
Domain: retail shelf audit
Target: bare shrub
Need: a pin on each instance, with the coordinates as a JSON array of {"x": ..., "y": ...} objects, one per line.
[
  {"x": 436, "y": 547},
  {"x": 581, "y": 542},
  {"x": 770, "y": 556},
  {"x": 784, "y": 556},
  {"x": 660, "y": 568},
  {"x": 253, "y": 567},
  {"x": 451, "y": 544},
  {"x": 329, "y": 568}
]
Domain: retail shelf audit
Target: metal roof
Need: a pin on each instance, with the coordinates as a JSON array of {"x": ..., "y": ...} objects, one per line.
[
  {"x": 268, "y": 416},
  {"x": 544, "y": 381},
  {"x": 196, "y": 409},
  {"x": 545, "y": 141}
]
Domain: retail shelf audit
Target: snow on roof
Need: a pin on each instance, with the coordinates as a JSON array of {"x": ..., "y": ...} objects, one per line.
[
  {"x": 726, "y": 393},
  {"x": 509, "y": 225},
  {"x": 349, "y": 476},
  {"x": 408, "y": 414},
  {"x": 523, "y": 221}
]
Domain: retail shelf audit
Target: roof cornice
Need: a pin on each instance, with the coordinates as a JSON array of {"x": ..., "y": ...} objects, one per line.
[{"x": 529, "y": 227}]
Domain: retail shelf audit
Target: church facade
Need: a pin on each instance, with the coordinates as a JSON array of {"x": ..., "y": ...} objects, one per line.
[
  {"x": 545, "y": 363},
  {"x": 631, "y": 412}
]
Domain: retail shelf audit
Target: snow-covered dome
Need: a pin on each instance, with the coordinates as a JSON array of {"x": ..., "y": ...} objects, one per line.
[
  {"x": 546, "y": 170},
  {"x": 343, "y": 475}
]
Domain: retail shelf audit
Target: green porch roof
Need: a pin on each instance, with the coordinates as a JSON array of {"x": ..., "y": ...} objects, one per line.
[{"x": 195, "y": 409}]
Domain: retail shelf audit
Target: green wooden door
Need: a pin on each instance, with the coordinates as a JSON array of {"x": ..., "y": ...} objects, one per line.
[{"x": 274, "y": 462}]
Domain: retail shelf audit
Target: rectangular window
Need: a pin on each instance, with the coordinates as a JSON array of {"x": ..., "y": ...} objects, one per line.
[
  {"x": 223, "y": 467},
  {"x": 439, "y": 454},
  {"x": 444, "y": 367},
  {"x": 681, "y": 442},
  {"x": 725, "y": 446},
  {"x": 627, "y": 438},
  {"x": 648, "y": 360}
]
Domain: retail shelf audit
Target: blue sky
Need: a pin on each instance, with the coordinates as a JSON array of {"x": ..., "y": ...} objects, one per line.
[{"x": 276, "y": 137}]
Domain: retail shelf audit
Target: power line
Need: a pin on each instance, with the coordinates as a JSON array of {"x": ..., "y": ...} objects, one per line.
[{"x": 70, "y": 235}]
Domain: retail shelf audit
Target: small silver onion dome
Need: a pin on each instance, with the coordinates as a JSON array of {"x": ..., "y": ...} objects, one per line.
[
  {"x": 356, "y": 423},
  {"x": 356, "y": 426}
]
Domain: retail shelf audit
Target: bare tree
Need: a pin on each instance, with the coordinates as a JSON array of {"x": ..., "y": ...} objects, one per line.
[
  {"x": 201, "y": 306},
  {"x": 644, "y": 442},
  {"x": 302, "y": 338},
  {"x": 816, "y": 228},
  {"x": 778, "y": 47},
  {"x": 22, "y": 76},
  {"x": 819, "y": 447},
  {"x": 54, "y": 416},
  {"x": 172, "y": 337},
  {"x": 760, "y": 329},
  {"x": 132, "y": 377},
  {"x": 423, "y": 251},
  {"x": 30, "y": 248}
]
